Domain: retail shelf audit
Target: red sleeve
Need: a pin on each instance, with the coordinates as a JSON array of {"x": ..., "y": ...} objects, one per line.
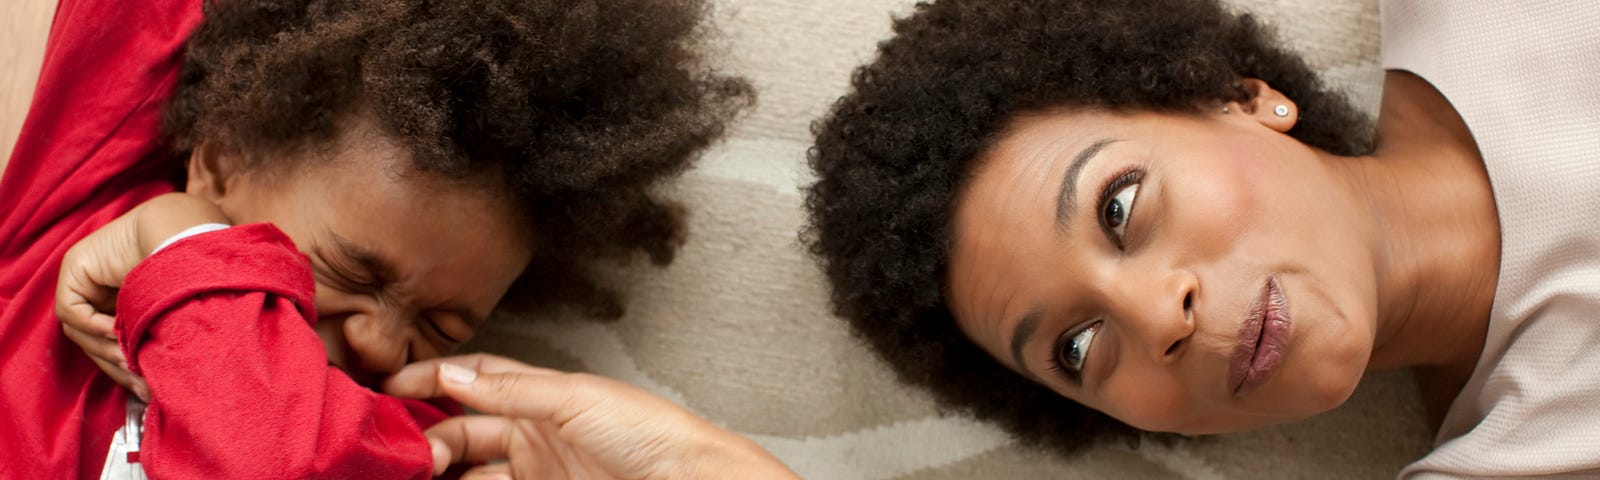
[
  {"x": 89, "y": 150},
  {"x": 91, "y": 143},
  {"x": 219, "y": 324}
]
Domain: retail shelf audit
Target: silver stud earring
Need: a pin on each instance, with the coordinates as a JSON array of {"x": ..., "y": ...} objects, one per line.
[
  {"x": 1281, "y": 110},
  {"x": 1224, "y": 109}
]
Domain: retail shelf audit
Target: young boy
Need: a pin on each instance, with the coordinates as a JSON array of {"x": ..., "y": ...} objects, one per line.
[{"x": 368, "y": 179}]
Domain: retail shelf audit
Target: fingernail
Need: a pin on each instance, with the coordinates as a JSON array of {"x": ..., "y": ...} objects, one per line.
[
  {"x": 441, "y": 456},
  {"x": 457, "y": 374}
]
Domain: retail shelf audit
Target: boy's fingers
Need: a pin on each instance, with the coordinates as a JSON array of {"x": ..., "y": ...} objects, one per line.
[
  {"x": 95, "y": 346},
  {"x": 101, "y": 324},
  {"x": 87, "y": 307},
  {"x": 125, "y": 378},
  {"x": 103, "y": 299}
]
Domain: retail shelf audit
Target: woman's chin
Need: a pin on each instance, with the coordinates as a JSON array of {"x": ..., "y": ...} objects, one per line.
[{"x": 1301, "y": 407}]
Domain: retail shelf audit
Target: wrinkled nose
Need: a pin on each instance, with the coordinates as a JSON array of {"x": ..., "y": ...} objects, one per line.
[
  {"x": 330, "y": 328},
  {"x": 1159, "y": 316},
  {"x": 363, "y": 343}
]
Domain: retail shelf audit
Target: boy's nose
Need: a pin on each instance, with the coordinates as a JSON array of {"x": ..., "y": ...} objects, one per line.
[
  {"x": 363, "y": 344},
  {"x": 331, "y": 330}
]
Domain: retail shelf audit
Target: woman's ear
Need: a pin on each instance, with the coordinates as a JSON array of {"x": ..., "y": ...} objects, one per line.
[
  {"x": 212, "y": 171},
  {"x": 1266, "y": 105}
]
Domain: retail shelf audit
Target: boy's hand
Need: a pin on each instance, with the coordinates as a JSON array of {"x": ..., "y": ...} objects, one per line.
[{"x": 93, "y": 270}]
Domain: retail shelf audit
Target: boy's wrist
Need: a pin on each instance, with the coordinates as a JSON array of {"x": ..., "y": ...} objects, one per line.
[
  {"x": 190, "y": 232},
  {"x": 170, "y": 217}
]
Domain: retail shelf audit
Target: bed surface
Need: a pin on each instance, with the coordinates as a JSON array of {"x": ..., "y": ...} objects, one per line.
[{"x": 738, "y": 329}]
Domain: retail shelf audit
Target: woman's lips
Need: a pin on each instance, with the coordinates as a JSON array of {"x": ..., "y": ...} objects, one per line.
[{"x": 1263, "y": 339}]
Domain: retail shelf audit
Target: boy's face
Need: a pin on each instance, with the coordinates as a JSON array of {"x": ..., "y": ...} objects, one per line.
[{"x": 407, "y": 264}]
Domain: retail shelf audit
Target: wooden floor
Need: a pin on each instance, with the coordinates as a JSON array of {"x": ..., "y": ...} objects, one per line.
[{"x": 24, "y": 26}]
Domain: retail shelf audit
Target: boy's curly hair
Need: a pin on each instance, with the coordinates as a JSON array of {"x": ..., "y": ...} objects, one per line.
[
  {"x": 893, "y": 156},
  {"x": 575, "y": 108}
]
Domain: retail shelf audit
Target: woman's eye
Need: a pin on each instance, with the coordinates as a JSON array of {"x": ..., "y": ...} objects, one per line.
[
  {"x": 1076, "y": 349},
  {"x": 1116, "y": 211}
]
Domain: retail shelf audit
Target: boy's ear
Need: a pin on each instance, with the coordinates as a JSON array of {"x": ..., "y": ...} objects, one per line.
[
  {"x": 213, "y": 170},
  {"x": 1267, "y": 105}
]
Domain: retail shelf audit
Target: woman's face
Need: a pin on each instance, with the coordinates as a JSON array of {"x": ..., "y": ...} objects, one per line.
[
  {"x": 1193, "y": 274},
  {"x": 407, "y": 265}
]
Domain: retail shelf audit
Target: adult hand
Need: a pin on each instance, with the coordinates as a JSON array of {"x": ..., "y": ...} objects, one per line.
[
  {"x": 93, "y": 269},
  {"x": 548, "y": 424}
]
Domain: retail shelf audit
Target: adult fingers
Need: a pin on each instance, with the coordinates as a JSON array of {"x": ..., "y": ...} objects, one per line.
[
  {"x": 536, "y": 396},
  {"x": 471, "y": 438},
  {"x": 420, "y": 379},
  {"x": 616, "y": 425},
  {"x": 528, "y": 449},
  {"x": 493, "y": 471}
]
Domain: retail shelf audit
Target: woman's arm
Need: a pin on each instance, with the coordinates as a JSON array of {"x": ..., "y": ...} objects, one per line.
[{"x": 22, "y": 51}]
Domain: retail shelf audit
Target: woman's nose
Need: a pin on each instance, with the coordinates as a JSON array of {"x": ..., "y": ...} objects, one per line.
[{"x": 1158, "y": 315}]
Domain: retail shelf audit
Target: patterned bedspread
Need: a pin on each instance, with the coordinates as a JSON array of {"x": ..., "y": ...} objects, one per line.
[{"x": 738, "y": 328}]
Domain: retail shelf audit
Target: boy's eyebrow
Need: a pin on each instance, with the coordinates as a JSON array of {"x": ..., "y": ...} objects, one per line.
[
  {"x": 379, "y": 266},
  {"x": 386, "y": 272}
]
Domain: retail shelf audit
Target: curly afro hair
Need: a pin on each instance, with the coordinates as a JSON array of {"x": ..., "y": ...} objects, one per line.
[
  {"x": 893, "y": 155},
  {"x": 574, "y": 108}
]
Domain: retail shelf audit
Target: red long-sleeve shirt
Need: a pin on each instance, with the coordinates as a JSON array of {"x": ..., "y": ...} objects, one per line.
[
  {"x": 241, "y": 383},
  {"x": 219, "y": 323}
]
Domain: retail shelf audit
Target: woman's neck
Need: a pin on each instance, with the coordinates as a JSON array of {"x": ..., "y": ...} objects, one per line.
[{"x": 1436, "y": 232}]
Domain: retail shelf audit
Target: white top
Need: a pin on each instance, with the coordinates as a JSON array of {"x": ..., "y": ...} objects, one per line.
[
  {"x": 190, "y": 232},
  {"x": 1524, "y": 76}
]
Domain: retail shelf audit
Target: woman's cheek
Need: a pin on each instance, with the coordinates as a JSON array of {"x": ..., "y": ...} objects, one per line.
[{"x": 1148, "y": 401}]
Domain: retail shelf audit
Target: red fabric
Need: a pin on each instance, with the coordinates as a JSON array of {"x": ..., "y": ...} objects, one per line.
[
  {"x": 87, "y": 154},
  {"x": 79, "y": 162},
  {"x": 255, "y": 393}
]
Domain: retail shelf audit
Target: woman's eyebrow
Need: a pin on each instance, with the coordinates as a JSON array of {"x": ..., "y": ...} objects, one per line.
[
  {"x": 1019, "y": 340},
  {"x": 1069, "y": 182}
]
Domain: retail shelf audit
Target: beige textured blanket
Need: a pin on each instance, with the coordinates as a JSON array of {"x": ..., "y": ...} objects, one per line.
[{"x": 739, "y": 329}]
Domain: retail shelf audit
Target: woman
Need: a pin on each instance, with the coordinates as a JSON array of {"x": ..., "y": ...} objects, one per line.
[
  {"x": 1073, "y": 217},
  {"x": 316, "y": 193}
]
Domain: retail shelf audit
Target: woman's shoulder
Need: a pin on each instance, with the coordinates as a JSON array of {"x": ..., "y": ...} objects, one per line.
[{"x": 1520, "y": 76}]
